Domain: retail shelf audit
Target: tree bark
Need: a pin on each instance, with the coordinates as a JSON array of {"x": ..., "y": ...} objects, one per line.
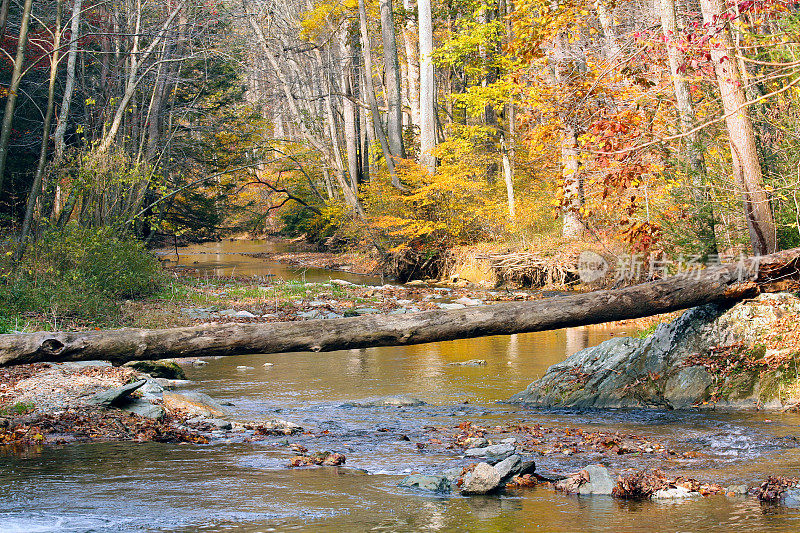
[
  {"x": 427, "y": 88},
  {"x": 746, "y": 165},
  {"x": 11, "y": 100},
  {"x": 725, "y": 283},
  {"x": 412, "y": 62},
  {"x": 391, "y": 64}
]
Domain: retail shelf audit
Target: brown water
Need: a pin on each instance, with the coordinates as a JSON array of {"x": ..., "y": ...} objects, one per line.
[{"x": 230, "y": 486}]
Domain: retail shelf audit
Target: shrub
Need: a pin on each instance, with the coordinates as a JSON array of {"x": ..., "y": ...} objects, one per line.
[{"x": 81, "y": 272}]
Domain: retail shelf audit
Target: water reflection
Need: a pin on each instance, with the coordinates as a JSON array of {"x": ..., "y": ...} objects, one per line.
[{"x": 225, "y": 258}]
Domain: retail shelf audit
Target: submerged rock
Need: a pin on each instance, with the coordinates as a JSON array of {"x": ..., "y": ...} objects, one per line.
[
  {"x": 662, "y": 371},
  {"x": 388, "y": 401},
  {"x": 471, "y": 362},
  {"x": 436, "y": 483}
]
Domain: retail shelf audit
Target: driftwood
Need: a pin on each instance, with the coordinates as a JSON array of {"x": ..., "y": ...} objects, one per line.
[
  {"x": 725, "y": 283},
  {"x": 524, "y": 269}
]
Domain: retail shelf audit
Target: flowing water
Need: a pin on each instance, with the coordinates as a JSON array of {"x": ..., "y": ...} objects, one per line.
[{"x": 236, "y": 486}]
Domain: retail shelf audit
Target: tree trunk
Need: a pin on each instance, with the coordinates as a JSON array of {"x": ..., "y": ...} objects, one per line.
[
  {"x": 427, "y": 90},
  {"x": 746, "y": 165},
  {"x": 11, "y": 100},
  {"x": 508, "y": 174},
  {"x": 412, "y": 62},
  {"x": 392, "y": 68},
  {"x": 349, "y": 110},
  {"x": 725, "y": 283},
  {"x": 36, "y": 187}
]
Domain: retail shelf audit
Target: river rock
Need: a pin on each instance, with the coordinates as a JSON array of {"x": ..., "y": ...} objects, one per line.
[
  {"x": 158, "y": 369},
  {"x": 145, "y": 408},
  {"x": 437, "y": 483},
  {"x": 471, "y": 362},
  {"x": 448, "y": 307},
  {"x": 388, "y": 401},
  {"x": 600, "y": 481},
  {"x": 475, "y": 442},
  {"x": 508, "y": 466},
  {"x": 194, "y": 403},
  {"x": 115, "y": 395},
  {"x": 653, "y": 372},
  {"x": 244, "y": 314},
  {"x": 277, "y": 426},
  {"x": 496, "y": 452},
  {"x": 484, "y": 478}
]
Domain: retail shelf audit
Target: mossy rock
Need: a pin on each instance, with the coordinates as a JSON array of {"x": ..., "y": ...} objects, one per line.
[{"x": 159, "y": 369}]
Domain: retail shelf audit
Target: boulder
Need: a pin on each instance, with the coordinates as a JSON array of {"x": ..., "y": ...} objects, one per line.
[
  {"x": 115, "y": 395},
  {"x": 515, "y": 465},
  {"x": 194, "y": 404},
  {"x": 656, "y": 372},
  {"x": 484, "y": 478},
  {"x": 437, "y": 483},
  {"x": 600, "y": 481}
]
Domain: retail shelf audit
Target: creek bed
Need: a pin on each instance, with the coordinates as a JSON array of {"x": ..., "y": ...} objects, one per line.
[{"x": 224, "y": 486}]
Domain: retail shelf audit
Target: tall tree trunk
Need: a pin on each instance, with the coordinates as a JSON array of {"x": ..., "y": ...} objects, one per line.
[
  {"x": 349, "y": 110},
  {"x": 11, "y": 100},
  {"x": 508, "y": 174},
  {"x": 746, "y": 165},
  {"x": 36, "y": 187},
  {"x": 69, "y": 84},
  {"x": 392, "y": 68},
  {"x": 427, "y": 96},
  {"x": 703, "y": 212},
  {"x": 412, "y": 62},
  {"x": 370, "y": 90},
  {"x": 570, "y": 163}
]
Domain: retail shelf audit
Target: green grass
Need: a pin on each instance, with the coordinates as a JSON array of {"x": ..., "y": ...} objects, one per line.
[{"x": 19, "y": 408}]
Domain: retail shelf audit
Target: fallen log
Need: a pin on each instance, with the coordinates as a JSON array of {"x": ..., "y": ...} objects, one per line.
[{"x": 725, "y": 283}]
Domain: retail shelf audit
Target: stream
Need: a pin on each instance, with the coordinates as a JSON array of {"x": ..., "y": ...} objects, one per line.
[{"x": 236, "y": 486}]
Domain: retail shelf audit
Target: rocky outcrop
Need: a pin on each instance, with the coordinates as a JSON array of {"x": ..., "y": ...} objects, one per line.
[{"x": 668, "y": 370}]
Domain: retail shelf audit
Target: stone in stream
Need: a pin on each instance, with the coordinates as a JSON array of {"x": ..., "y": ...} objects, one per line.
[
  {"x": 194, "y": 403},
  {"x": 276, "y": 426},
  {"x": 451, "y": 306},
  {"x": 599, "y": 482},
  {"x": 496, "y": 452},
  {"x": 471, "y": 362},
  {"x": 388, "y": 401},
  {"x": 475, "y": 442},
  {"x": 144, "y": 408},
  {"x": 158, "y": 369},
  {"x": 660, "y": 371},
  {"x": 436, "y": 483},
  {"x": 116, "y": 395},
  {"x": 484, "y": 478}
]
